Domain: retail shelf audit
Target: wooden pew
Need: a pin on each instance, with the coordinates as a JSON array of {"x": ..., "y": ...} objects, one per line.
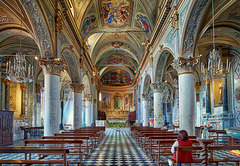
[
  {"x": 89, "y": 147},
  {"x": 163, "y": 144},
  {"x": 210, "y": 159},
  {"x": 29, "y": 150},
  {"x": 73, "y": 145},
  {"x": 98, "y": 135},
  {"x": 139, "y": 136},
  {"x": 153, "y": 142},
  {"x": 144, "y": 138},
  {"x": 91, "y": 135},
  {"x": 219, "y": 137}
]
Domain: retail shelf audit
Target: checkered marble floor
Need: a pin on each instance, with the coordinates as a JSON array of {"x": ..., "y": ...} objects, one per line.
[{"x": 116, "y": 148}]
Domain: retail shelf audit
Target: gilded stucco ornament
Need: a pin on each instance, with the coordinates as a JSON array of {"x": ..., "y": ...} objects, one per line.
[
  {"x": 51, "y": 66},
  {"x": 77, "y": 88},
  {"x": 175, "y": 22},
  {"x": 185, "y": 65}
]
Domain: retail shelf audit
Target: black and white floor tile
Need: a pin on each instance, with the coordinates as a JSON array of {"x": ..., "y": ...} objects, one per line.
[{"x": 116, "y": 149}]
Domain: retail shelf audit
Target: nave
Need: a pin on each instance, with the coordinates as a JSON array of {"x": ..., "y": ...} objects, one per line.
[{"x": 116, "y": 148}]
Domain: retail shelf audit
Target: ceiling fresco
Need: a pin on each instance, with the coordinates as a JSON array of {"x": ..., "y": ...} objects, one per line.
[
  {"x": 116, "y": 13},
  {"x": 117, "y": 77},
  {"x": 116, "y": 31}
]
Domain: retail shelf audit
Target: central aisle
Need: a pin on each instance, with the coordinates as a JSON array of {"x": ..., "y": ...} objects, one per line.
[{"x": 118, "y": 148}]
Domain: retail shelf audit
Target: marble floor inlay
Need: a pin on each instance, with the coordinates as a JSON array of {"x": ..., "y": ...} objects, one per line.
[{"x": 118, "y": 148}]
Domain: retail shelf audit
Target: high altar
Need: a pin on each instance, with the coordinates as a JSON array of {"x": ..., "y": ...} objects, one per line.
[{"x": 117, "y": 105}]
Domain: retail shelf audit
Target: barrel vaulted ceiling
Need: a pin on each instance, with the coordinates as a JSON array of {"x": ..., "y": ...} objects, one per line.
[{"x": 115, "y": 32}]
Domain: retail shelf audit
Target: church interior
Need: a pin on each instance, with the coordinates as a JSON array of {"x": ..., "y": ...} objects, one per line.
[{"x": 117, "y": 78}]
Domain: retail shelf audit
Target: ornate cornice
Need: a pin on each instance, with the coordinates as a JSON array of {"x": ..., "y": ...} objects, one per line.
[
  {"x": 51, "y": 66},
  {"x": 77, "y": 88}
]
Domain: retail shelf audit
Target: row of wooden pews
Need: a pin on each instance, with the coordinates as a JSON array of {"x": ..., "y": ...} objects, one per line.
[
  {"x": 157, "y": 143},
  {"x": 80, "y": 142}
]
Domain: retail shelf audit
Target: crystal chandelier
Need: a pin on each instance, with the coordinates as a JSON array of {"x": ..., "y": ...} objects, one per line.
[
  {"x": 16, "y": 68},
  {"x": 213, "y": 69}
]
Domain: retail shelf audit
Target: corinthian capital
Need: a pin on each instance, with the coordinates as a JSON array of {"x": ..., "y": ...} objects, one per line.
[
  {"x": 77, "y": 88},
  {"x": 157, "y": 87},
  {"x": 185, "y": 65},
  {"x": 51, "y": 66}
]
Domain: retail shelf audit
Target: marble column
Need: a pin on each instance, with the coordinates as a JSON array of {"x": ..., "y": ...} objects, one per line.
[
  {"x": 23, "y": 88},
  {"x": 158, "y": 104},
  {"x": 95, "y": 110},
  {"x": 145, "y": 106},
  {"x": 139, "y": 110},
  {"x": 185, "y": 68},
  {"x": 77, "y": 104},
  {"x": 225, "y": 95},
  {"x": 52, "y": 69},
  {"x": 88, "y": 110},
  {"x": 208, "y": 96},
  {"x": 42, "y": 105}
]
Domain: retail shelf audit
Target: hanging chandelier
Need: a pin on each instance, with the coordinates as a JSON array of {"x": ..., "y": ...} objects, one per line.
[
  {"x": 16, "y": 68},
  {"x": 213, "y": 69}
]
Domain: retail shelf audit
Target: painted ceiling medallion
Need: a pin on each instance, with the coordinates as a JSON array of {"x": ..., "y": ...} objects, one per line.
[
  {"x": 117, "y": 44},
  {"x": 116, "y": 13}
]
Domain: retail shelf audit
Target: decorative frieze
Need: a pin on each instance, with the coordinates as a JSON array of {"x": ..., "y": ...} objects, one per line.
[
  {"x": 77, "y": 88},
  {"x": 51, "y": 66},
  {"x": 185, "y": 65}
]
